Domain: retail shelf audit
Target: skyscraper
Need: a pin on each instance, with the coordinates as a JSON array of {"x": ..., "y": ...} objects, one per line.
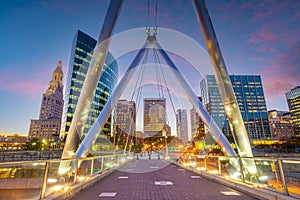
[
  {"x": 181, "y": 125},
  {"x": 154, "y": 116},
  {"x": 124, "y": 120},
  {"x": 197, "y": 125},
  {"x": 48, "y": 124},
  {"x": 81, "y": 55},
  {"x": 293, "y": 100},
  {"x": 250, "y": 96}
]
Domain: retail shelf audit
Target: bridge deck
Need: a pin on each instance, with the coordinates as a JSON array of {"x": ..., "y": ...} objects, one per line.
[{"x": 156, "y": 179}]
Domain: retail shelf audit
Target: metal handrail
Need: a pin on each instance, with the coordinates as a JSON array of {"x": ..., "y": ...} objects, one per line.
[
  {"x": 217, "y": 160},
  {"x": 56, "y": 160},
  {"x": 280, "y": 161},
  {"x": 285, "y": 160},
  {"x": 46, "y": 167}
]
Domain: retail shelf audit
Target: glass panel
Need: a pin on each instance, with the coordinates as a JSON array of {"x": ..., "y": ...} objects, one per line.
[
  {"x": 200, "y": 163},
  {"x": 21, "y": 180},
  {"x": 97, "y": 165},
  {"x": 291, "y": 170},
  {"x": 212, "y": 165},
  {"x": 84, "y": 170},
  {"x": 225, "y": 166},
  {"x": 265, "y": 173}
]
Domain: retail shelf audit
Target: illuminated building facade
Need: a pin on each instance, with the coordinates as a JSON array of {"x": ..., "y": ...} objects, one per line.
[
  {"x": 154, "y": 116},
  {"x": 280, "y": 124},
  {"x": 48, "y": 124},
  {"x": 197, "y": 125},
  {"x": 181, "y": 125},
  {"x": 124, "y": 119},
  {"x": 12, "y": 142},
  {"x": 250, "y": 97},
  {"x": 168, "y": 130},
  {"x": 81, "y": 54},
  {"x": 293, "y": 100}
]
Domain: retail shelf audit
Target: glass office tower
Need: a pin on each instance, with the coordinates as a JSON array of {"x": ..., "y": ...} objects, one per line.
[
  {"x": 293, "y": 100},
  {"x": 250, "y": 96},
  {"x": 81, "y": 55},
  {"x": 197, "y": 125},
  {"x": 181, "y": 125}
]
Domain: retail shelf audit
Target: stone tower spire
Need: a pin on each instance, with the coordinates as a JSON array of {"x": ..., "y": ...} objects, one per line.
[
  {"x": 57, "y": 80},
  {"x": 52, "y": 103},
  {"x": 48, "y": 125}
]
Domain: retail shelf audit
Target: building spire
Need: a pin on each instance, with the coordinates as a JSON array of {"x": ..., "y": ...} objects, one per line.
[{"x": 57, "y": 79}]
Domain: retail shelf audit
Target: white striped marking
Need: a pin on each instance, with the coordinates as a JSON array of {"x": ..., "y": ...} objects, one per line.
[
  {"x": 181, "y": 169},
  {"x": 195, "y": 176},
  {"x": 230, "y": 193},
  {"x": 154, "y": 167},
  {"x": 123, "y": 177},
  {"x": 108, "y": 194},
  {"x": 163, "y": 183}
]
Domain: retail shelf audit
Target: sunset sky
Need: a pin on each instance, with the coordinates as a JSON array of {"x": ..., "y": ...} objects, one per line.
[{"x": 256, "y": 37}]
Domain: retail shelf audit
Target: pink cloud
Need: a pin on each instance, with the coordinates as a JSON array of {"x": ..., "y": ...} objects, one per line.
[
  {"x": 32, "y": 87},
  {"x": 283, "y": 74},
  {"x": 276, "y": 86},
  {"x": 261, "y": 16},
  {"x": 262, "y": 35},
  {"x": 259, "y": 58}
]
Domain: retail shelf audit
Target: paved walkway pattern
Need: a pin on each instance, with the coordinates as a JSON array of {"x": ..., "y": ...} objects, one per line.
[{"x": 156, "y": 179}]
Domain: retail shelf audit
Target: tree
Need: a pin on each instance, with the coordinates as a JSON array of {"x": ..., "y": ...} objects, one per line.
[{"x": 35, "y": 144}]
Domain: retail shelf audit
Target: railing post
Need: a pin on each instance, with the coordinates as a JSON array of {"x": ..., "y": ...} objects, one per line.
[
  {"x": 76, "y": 169},
  {"x": 205, "y": 163},
  {"x": 117, "y": 160},
  {"x": 102, "y": 164},
  {"x": 286, "y": 191},
  {"x": 219, "y": 166},
  {"x": 43, "y": 190},
  {"x": 92, "y": 166},
  {"x": 241, "y": 169}
]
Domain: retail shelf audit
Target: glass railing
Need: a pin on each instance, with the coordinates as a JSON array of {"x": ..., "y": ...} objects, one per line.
[
  {"x": 39, "y": 179},
  {"x": 277, "y": 174}
]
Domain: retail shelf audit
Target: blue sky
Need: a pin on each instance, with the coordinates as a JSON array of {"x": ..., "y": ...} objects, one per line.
[{"x": 256, "y": 37}]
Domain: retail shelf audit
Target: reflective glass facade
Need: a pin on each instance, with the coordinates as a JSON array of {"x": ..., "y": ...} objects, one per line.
[
  {"x": 81, "y": 55},
  {"x": 181, "y": 125},
  {"x": 293, "y": 100},
  {"x": 197, "y": 125},
  {"x": 250, "y": 96}
]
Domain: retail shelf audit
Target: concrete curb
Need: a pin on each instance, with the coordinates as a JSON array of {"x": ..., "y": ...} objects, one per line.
[{"x": 259, "y": 193}]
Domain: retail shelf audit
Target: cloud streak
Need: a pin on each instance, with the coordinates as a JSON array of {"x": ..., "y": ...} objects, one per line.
[
  {"x": 263, "y": 35},
  {"x": 31, "y": 87},
  {"x": 283, "y": 74}
]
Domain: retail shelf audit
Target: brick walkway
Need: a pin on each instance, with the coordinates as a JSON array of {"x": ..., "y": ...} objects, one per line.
[{"x": 156, "y": 179}]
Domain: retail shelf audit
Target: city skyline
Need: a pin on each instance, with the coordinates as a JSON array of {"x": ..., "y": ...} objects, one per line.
[{"x": 39, "y": 33}]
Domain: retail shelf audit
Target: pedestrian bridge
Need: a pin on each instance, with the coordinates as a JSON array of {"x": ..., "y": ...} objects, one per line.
[{"x": 152, "y": 175}]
